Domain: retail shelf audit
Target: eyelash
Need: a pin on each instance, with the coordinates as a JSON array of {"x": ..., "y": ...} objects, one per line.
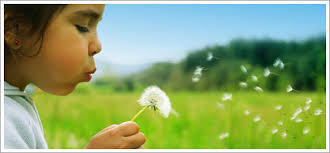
[{"x": 82, "y": 29}]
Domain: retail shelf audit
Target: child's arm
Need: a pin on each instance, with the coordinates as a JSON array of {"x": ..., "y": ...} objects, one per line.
[{"x": 123, "y": 136}]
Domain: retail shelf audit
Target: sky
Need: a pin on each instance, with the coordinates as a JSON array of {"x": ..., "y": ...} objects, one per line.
[{"x": 145, "y": 33}]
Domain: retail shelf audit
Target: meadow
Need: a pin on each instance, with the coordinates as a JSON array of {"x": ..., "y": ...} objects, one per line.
[{"x": 70, "y": 121}]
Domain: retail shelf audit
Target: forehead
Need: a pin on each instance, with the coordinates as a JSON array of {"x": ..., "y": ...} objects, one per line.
[{"x": 73, "y": 9}]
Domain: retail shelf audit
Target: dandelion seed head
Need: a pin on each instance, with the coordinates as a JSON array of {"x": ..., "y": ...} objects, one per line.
[
  {"x": 254, "y": 78},
  {"x": 306, "y": 108},
  {"x": 257, "y": 88},
  {"x": 306, "y": 130},
  {"x": 246, "y": 112},
  {"x": 155, "y": 98},
  {"x": 243, "y": 84},
  {"x": 278, "y": 63},
  {"x": 278, "y": 107},
  {"x": 298, "y": 120},
  {"x": 308, "y": 101},
  {"x": 209, "y": 56},
  {"x": 223, "y": 135},
  {"x": 317, "y": 112},
  {"x": 198, "y": 71},
  {"x": 267, "y": 72},
  {"x": 289, "y": 88},
  {"x": 243, "y": 69},
  {"x": 274, "y": 131},
  {"x": 227, "y": 96},
  {"x": 257, "y": 119}
]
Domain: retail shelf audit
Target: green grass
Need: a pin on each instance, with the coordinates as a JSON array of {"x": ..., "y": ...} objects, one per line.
[{"x": 70, "y": 121}]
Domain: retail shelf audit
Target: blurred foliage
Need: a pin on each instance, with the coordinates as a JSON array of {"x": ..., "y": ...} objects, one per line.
[{"x": 305, "y": 67}]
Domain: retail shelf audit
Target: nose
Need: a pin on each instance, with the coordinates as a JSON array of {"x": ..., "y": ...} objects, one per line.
[{"x": 95, "y": 46}]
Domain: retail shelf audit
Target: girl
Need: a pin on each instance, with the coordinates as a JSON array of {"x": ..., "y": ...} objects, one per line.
[{"x": 52, "y": 46}]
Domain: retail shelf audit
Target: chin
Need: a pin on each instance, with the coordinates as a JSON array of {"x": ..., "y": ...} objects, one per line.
[{"x": 62, "y": 91}]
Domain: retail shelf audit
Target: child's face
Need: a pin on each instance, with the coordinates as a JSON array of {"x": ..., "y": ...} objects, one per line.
[{"x": 66, "y": 57}]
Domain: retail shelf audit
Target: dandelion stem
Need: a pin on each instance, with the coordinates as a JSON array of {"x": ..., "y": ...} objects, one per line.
[{"x": 141, "y": 111}]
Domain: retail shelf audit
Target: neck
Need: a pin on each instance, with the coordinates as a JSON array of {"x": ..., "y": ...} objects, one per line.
[{"x": 13, "y": 75}]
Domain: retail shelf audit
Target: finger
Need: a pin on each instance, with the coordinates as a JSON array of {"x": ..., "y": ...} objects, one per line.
[
  {"x": 127, "y": 128},
  {"x": 136, "y": 141},
  {"x": 108, "y": 128}
]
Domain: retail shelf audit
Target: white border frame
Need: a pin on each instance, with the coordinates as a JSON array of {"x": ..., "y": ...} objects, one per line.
[{"x": 167, "y": 2}]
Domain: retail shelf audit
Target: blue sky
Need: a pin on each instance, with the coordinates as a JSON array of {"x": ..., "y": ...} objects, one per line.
[{"x": 146, "y": 33}]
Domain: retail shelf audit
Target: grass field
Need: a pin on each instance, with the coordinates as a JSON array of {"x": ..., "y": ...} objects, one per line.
[{"x": 70, "y": 121}]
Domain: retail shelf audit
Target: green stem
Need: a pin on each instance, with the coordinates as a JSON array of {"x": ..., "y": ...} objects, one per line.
[{"x": 141, "y": 111}]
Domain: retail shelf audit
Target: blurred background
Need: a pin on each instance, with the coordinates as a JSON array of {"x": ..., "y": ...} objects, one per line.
[{"x": 163, "y": 45}]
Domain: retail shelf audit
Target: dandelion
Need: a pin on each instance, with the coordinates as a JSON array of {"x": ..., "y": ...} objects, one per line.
[
  {"x": 223, "y": 135},
  {"x": 267, "y": 72},
  {"x": 278, "y": 63},
  {"x": 298, "y": 120},
  {"x": 195, "y": 78},
  {"x": 220, "y": 105},
  {"x": 289, "y": 88},
  {"x": 154, "y": 98},
  {"x": 280, "y": 123},
  {"x": 283, "y": 135},
  {"x": 274, "y": 131},
  {"x": 226, "y": 97},
  {"x": 307, "y": 107},
  {"x": 198, "y": 71},
  {"x": 209, "y": 56},
  {"x": 257, "y": 119},
  {"x": 308, "y": 101},
  {"x": 278, "y": 107},
  {"x": 243, "y": 84},
  {"x": 257, "y": 88},
  {"x": 306, "y": 130},
  {"x": 254, "y": 78},
  {"x": 246, "y": 112},
  {"x": 318, "y": 112},
  {"x": 243, "y": 69},
  {"x": 299, "y": 110}
]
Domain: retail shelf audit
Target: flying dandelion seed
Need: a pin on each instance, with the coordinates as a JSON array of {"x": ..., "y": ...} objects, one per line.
[
  {"x": 257, "y": 119},
  {"x": 306, "y": 130},
  {"x": 298, "y": 120},
  {"x": 243, "y": 84},
  {"x": 195, "y": 78},
  {"x": 254, "y": 78},
  {"x": 278, "y": 63},
  {"x": 243, "y": 69},
  {"x": 278, "y": 107},
  {"x": 154, "y": 98},
  {"x": 209, "y": 56},
  {"x": 299, "y": 110},
  {"x": 220, "y": 105},
  {"x": 267, "y": 72},
  {"x": 306, "y": 108},
  {"x": 226, "y": 97},
  {"x": 308, "y": 101},
  {"x": 174, "y": 112},
  {"x": 318, "y": 112},
  {"x": 246, "y": 112},
  {"x": 223, "y": 135},
  {"x": 280, "y": 123},
  {"x": 257, "y": 88},
  {"x": 284, "y": 135},
  {"x": 289, "y": 88},
  {"x": 198, "y": 71},
  {"x": 274, "y": 131}
]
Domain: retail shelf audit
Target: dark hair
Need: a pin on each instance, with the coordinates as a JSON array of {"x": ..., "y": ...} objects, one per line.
[{"x": 36, "y": 16}]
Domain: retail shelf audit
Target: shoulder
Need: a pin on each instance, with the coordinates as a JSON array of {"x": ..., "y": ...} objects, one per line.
[{"x": 17, "y": 126}]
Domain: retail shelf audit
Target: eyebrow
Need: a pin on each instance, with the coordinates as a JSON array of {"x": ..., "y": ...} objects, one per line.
[{"x": 89, "y": 13}]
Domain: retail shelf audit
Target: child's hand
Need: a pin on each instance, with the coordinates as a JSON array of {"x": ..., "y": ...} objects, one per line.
[{"x": 123, "y": 136}]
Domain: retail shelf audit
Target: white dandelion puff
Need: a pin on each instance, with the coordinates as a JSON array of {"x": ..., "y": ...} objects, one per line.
[
  {"x": 289, "y": 88},
  {"x": 283, "y": 135},
  {"x": 278, "y": 107},
  {"x": 278, "y": 63},
  {"x": 198, "y": 71},
  {"x": 298, "y": 111},
  {"x": 243, "y": 84},
  {"x": 257, "y": 88},
  {"x": 298, "y": 120},
  {"x": 243, "y": 69},
  {"x": 306, "y": 130},
  {"x": 317, "y": 112},
  {"x": 274, "y": 131},
  {"x": 154, "y": 98},
  {"x": 227, "y": 96},
  {"x": 195, "y": 78},
  {"x": 308, "y": 101},
  {"x": 220, "y": 105},
  {"x": 246, "y": 112},
  {"x": 306, "y": 108},
  {"x": 257, "y": 119},
  {"x": 267, "y": 72},
  {"x": 209, "y": 56},
  {"x": 280, "y": 123},
  {"x": 254, "y": 78},
  {"x": 223, "y": 135}
]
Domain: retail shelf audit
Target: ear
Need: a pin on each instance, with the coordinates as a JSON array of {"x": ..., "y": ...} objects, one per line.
[{"x": 12, "y": 40}]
